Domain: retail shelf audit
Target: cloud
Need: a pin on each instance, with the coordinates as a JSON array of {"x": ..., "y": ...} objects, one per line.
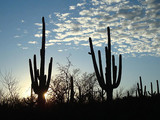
[
  {"x": 134, "y": 25},
  {"x": 17, "y": 36},
  {"x": 60, "y": 50},
  {"x": 62, "y": 16},
  {"x": 85, "y": 12},
  {"x": 72, "y": 7},
  {"x": 54, "y": 41},
  {"x": 81, "y": 4},
  {"x": 24, "y": 48},
  {"x": 68, "y": 44},
  {"x": 19, "y": 44},
  {"x": 32, "y": 42},
  {"x": 38, "y": 35},
  {"x": 47, "y": 32},
  {"x": 38, "y": 24},
  {"x": 85, "y": 44},
  {"x": 22, "y": 21},
  {"x": 112, "y": 1},
  {"x": 50, "y": 16},
  {"x": 49, "y": 44}
]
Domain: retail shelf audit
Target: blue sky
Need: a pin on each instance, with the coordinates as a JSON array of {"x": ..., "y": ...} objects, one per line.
[{"x": 69, "y": 23}]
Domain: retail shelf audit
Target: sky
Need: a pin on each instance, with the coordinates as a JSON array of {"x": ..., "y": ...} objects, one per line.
[{"x": 134, "y": 28}]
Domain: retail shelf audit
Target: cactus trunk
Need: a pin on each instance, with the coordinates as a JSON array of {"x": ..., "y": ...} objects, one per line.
[
  {"x": 40, "y": 83},
  {"x": 41, "y": 99},
  {"x": 72, "y": 90},
  {"x": 107, "y": 85}
]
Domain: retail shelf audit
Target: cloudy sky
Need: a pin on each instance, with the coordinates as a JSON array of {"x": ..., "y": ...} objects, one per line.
[{"x": 134, "y": 28}]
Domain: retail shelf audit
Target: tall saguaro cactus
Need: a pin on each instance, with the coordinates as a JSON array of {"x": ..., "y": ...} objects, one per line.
[
  {"x": 40, "y": 83},
  {"x": 108, "y": 83}
]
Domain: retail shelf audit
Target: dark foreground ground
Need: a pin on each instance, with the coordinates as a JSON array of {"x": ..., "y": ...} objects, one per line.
[{"x": 124, "y": 109}]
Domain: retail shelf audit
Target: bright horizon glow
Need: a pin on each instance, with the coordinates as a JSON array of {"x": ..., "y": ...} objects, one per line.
[
  {"x": 45, "y": 96},
  {"x": 134, "y": 34}
]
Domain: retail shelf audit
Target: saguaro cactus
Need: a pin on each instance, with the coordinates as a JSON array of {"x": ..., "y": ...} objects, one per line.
[
  {"x": 157, "y": 87},
  {"x": 40, "y": 83},
  {"x": 107, "y": 85},
  {"x": 152, "y": 93},
  {"x": 72, "y": 90},
  {"x": 140, "y": 88}
]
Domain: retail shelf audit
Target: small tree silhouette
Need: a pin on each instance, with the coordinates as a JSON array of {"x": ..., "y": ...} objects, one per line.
[
  {"x": 107, "y": 85},
  {"x": 40, "y": 83}
]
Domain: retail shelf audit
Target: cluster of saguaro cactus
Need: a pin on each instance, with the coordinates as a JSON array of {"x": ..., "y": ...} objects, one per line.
[
  {"x": 40, "y": 82},
  {"x": 107, "y": 85},
  {"x": 143, "y": 93},
  {"x": 154, "y": 93},
  {"x": 140, "y": 90}
]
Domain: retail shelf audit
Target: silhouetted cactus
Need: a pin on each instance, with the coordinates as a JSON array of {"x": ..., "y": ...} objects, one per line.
[
  {"x": 157, "y": 87},
  {"x": 152, "y": 93},
  {"x": 40, "y": 83},
  {"x": 72, "y": 90},
  {"x": 107, "y": 85},
  {"x": 140, "y": 91}
]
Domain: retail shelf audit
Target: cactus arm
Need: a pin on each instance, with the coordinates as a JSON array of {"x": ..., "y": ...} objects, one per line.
[
  {"x": 151, "y": 93},
  {"x": 34, "y": 84},
  {"x": 157, "y": 87},
  {"x": 141, "y": 85},
  {"x": 119, "y": 73},
  {"x": 114, "y": 67},
  {"x": 101, "y": 68},
  {"x": 101, "y": 82},
  {"x": 35, "y": 70},
  {"x": 31, "y": 72},
  {"x": 145, "y": 92},
  {"x": 49, "y": 72},
  {"x": 138, "y": 89}
]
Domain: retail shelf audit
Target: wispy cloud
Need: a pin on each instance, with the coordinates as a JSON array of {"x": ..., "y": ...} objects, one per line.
[
  {"x": 17, "y": 36},
  {"x": 19, "y": 44},
  {"x": 38, "y": 35},
  {"x": 60, "y": 50},
  {"x": 32, "y": 42},
  {"x": 22, "y": 21},
  {"x": 49, "y": 44},
  {"x": 38, "y": 24},
  {"x": 24, "y": 48},
  {"x": 72, "y": 7}
]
